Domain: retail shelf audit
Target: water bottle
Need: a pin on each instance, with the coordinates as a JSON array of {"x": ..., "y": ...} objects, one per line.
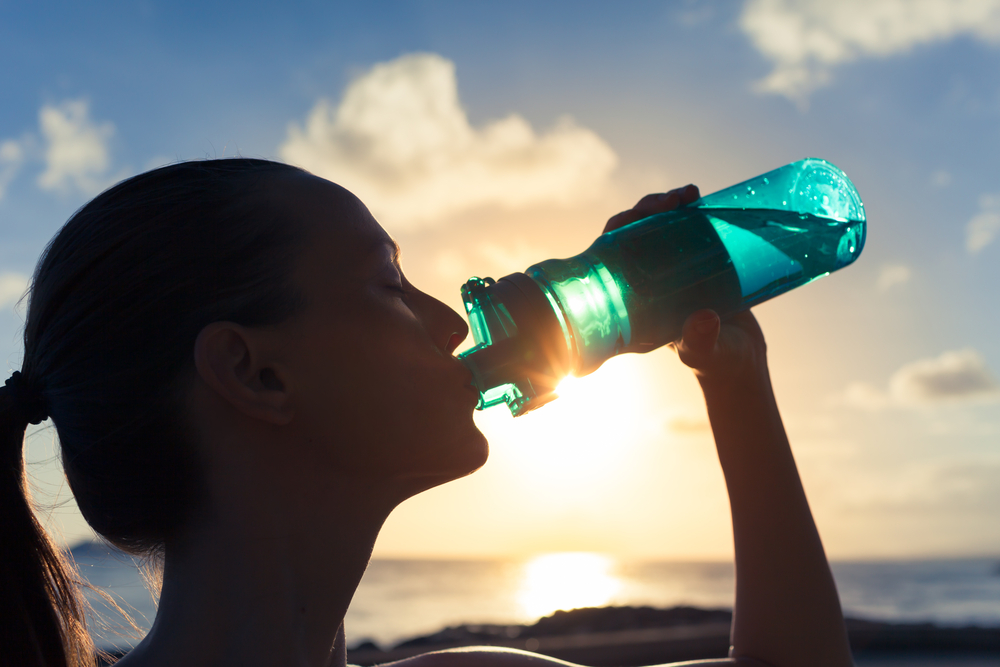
[{"x": 632, "y": 289}]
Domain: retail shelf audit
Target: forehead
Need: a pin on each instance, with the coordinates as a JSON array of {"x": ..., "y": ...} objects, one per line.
[{"x": 336, "y": 223}]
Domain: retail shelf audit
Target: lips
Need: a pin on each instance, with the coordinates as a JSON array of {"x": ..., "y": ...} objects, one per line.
[{"x": 469, "y": 384}]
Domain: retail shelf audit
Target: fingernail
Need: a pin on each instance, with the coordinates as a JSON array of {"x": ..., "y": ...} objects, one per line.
[{"x": 705, "y": 325}]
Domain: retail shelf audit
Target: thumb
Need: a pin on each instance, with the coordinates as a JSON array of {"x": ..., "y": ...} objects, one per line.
[{"x": 699, "y": 336}]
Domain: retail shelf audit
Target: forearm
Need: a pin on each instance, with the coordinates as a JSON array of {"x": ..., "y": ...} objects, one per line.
[{"x": 787, "y": 609}]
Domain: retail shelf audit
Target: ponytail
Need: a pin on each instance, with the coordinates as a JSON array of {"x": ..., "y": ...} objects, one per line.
[
  {"x": 41, "y": 617},
  {"x": 117, "y": 301}
]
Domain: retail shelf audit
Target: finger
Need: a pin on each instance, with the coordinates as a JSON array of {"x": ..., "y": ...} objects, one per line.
[
  {"x": 624, "y": 218},
  {"x": 699, "y": 337},
  {"x": 663, "y": 201},
  {"x": 647, "y": 206},
  {"x": 652, "y": 204},
  {"x": 668, "y": 201},
  {"x": 689, "y": 194}
]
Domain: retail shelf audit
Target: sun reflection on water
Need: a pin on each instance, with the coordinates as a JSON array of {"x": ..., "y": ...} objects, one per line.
[{"x": 567, "y": 581}]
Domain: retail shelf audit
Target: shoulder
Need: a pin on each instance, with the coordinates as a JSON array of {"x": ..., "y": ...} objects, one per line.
[
  {"x": 489, "y": 656},
  {"x": 479, "y": 656}
]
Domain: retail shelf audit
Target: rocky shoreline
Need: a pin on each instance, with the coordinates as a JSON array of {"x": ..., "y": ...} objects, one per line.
[{"x": 627, "y": 636}]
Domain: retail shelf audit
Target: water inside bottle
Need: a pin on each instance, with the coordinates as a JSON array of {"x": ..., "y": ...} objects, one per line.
[
  {"x": 633, "y": 288},
  {"x": 774, "y": 251}
]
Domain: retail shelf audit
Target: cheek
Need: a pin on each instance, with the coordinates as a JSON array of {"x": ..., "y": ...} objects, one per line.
[
  {"x": 418, "y": 421},
  {"x": 385, "y": 401}
]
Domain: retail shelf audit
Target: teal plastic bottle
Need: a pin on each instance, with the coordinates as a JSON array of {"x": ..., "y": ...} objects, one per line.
[{"x": 633, "y": 288}]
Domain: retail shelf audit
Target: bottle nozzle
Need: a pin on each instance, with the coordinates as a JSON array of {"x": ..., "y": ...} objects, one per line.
[{"x": 520, "y": 354}]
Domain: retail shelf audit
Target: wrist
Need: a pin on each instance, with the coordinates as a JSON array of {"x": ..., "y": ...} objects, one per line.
[{"x": 746, "y": 378}]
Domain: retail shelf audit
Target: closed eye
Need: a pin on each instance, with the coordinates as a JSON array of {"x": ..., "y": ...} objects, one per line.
[
  {"x": 392, "y": 279},
  {"x": 397, "y": 288}
]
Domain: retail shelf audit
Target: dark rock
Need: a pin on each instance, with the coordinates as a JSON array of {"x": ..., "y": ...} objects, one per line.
[
  {"x": 466, "y": 634},
  {"x": 366, "y": 645},
  {"x": 574, "y": 622},
  {"x": 610, "y": 619}
]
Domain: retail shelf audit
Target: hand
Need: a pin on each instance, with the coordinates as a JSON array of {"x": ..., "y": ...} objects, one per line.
[
  {"x": 722, "y": 354},
  {"x": 653, "y": 204},
  {"x": 718, "y": 353}
]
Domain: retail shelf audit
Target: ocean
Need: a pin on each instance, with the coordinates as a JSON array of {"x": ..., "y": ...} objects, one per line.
[{"x": 401, "y": 599}]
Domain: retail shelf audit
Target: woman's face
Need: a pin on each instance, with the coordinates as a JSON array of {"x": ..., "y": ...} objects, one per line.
[{"x": 376, "y": 386}]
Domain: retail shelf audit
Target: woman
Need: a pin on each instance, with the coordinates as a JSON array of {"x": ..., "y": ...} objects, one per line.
[{"x": 245, "y": 384}]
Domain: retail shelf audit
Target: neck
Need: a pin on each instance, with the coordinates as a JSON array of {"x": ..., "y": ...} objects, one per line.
[{"x": 248, "y": 586}]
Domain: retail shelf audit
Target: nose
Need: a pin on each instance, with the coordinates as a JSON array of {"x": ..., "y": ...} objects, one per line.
[
  {"x": 453, "y": 342},
  {"x": 447, "y": 328},
  {"x": 459, "y": 333}
]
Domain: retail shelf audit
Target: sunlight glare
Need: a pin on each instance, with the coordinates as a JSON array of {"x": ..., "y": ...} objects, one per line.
[
  {"x": 595, "y": 421},
  {"x": 568, "y": 387},
  {"x": 567, "y": 581}
]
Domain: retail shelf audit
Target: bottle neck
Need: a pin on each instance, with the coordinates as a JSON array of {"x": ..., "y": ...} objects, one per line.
[
  {"x": 588, "y": 300},
  {"x": 521, "y": 352}
]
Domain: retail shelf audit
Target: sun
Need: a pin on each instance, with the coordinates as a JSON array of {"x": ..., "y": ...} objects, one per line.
[
  {"x": 569, "y": 580},
  {"x": 584, "y": 434},
  {"x": 595, "y": 416}
]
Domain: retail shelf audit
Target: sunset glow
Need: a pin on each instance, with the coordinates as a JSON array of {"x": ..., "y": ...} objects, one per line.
[
  {"x": 590, "y": 428},
  {"x": 486, "y": 138},
  {"x": 566, "y": 581}
]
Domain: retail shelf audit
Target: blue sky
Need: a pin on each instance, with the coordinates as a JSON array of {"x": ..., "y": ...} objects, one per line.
[{"x": 886, "y": 372}]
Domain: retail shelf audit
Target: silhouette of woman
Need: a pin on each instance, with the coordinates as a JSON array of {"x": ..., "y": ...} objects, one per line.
[{"x": 245, "y": 384}]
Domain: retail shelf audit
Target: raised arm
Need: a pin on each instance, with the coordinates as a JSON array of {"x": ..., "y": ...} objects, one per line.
[{"x": 787, "y": 610}]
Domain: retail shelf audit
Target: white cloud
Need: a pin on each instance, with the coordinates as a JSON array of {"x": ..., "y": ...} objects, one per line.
[
  {"x": 941, "y": 178},
  {"x": 956, "y": 376},
  {"x": 805, "y": 39},
  {"x": 450, "y": 264},
  {"x": 864, "y": 396},
  {"x": 12, "y": 288},
  {"x": 892, "y": 275},
  {"x": 969, "y": 485},
  {"x": 983, "y": 228},
  {"x": 489, "y": 259},
  {"x": 402, "y": 142},
  {"x": 76, "y": 152},
  {"x": 11, "y": 159},
  {"x": 506, "y": 259}
]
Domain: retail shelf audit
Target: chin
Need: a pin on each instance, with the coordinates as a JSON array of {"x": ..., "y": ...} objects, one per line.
[
  {"x": 470, "y": 455},
  {"x": 482, "y": 453},
  {"x": 466, "y": 455}
]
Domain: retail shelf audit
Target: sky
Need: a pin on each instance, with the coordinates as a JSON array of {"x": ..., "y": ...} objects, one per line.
[{"x": 486, "y": 137}]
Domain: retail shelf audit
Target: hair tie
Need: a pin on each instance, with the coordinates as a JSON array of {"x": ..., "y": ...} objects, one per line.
[{"x": 27, "y": 401}]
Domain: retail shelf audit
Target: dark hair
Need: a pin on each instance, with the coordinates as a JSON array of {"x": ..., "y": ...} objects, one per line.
[{"x": 116, "y": 303}]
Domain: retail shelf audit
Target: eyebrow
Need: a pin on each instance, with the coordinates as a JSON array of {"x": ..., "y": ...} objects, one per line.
[{"x": 397, "y": 252}]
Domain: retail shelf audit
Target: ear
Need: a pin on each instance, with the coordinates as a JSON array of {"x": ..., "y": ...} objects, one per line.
[{"x": 232, "y": 361}]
